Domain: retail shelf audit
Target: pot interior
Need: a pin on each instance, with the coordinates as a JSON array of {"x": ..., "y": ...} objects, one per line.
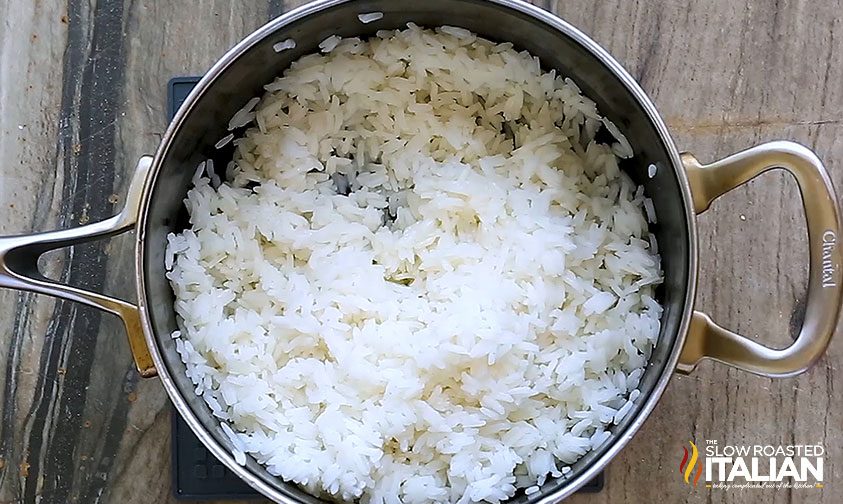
[{"x": 227, "y": 88}]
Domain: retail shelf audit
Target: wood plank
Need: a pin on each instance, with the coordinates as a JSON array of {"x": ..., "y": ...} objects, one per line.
[
  {"x": 30, "y": 190},
  {"x": 725, "y": 74}
]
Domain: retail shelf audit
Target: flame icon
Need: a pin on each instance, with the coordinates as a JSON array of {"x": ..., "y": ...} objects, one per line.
[{"x": 686, "y": 470}]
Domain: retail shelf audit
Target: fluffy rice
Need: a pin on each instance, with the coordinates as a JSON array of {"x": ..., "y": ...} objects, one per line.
[{"x": 423, "y": 279}]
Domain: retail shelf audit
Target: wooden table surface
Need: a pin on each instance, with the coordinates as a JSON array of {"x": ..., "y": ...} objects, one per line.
[{"x": 82, "y": 95}]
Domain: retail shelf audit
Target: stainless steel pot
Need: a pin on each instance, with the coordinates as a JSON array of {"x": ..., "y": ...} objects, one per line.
[{"x": 681, "y": 189}]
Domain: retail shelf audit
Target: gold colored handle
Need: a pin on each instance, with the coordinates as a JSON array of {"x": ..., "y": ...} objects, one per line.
[
  {"x": 705, "y": 338},
  {"x": 19, "y": 265}
]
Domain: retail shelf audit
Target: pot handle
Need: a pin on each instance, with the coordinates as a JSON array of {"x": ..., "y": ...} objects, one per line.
[
  {"x": 705, "y": 338},
  {"x": 19, "y": 265}
]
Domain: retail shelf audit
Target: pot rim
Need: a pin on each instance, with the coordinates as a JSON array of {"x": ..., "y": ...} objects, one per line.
[{"x": 539, "y": 15}]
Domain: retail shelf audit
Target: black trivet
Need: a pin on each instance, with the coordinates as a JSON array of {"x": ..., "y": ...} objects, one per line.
[{"x": 197, "y": 474}]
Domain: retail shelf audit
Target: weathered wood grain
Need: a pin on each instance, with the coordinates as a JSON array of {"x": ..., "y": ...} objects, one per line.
[{"x": 82, "y": 95}]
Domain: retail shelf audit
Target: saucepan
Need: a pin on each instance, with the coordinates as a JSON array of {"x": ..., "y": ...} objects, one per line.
[{"x": 681, "y": 189}]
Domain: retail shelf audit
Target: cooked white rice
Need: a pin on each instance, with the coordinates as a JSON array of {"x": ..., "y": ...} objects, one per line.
[
  {"x": 369, "y": 17},
  {"x": 284, "y": 45},
  {"x": 329, "y": 43},
  {"x": 423, "y": 280},
  {"x": 224, "y": 141},
  {"x": 243, "y": 116}
]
